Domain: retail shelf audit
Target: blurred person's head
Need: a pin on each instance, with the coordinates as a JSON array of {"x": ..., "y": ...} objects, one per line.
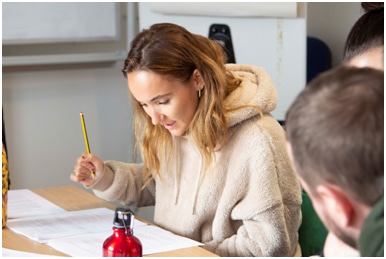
[
  {"x": 364, "y": 44},
  {"x": 335, "y": 138}
]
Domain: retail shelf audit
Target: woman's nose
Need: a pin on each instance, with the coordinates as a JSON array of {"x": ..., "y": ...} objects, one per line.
[{"x": 155, "y": 117}]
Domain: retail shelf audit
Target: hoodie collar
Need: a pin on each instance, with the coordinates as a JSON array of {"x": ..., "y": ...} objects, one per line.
[{"x": 256, "y": 88}]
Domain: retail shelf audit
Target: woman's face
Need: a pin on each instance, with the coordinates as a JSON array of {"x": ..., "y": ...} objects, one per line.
[{"x": 166, "y": 100}]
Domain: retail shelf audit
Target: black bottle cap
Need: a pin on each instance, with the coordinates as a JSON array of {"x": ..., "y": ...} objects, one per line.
[{"x": 123, "y": 218}]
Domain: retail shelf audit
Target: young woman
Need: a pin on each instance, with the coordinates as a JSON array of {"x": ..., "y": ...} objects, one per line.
[{"x": 214, "y": 160}]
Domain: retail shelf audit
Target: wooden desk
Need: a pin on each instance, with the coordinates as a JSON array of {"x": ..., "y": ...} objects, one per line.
[{"x": 74, "y": 198}]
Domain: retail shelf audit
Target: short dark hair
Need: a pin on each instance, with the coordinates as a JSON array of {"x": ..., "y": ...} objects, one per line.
[{"x": 335, "y": 128}]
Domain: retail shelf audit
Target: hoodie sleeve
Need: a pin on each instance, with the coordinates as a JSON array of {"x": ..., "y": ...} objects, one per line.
[
  {"x": 122, "y": 182},
  {"x": 260, "y": 205}
]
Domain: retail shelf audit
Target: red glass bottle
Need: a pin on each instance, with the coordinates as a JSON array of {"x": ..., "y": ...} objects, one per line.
[{"x": 122, "y": 243}]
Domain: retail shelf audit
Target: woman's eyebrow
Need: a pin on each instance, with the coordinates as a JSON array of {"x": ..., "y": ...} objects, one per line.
[{"x": 158, "y": 97}]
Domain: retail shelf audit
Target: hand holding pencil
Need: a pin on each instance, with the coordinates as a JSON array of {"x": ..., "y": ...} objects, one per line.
[
  {"x": 85, "y": 138},
  {"x": 88, "y": 166}
]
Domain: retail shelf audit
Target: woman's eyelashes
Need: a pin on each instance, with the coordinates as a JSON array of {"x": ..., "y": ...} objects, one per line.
[
  {"x": 163, "y": 102},
  {"x": 158, "y": 103}
]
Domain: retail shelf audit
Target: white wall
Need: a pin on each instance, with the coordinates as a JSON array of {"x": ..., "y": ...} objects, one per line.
[
  {"x": 331, "y": 22},
  {"x": 276, "y": 43},
  {"x": 41, "y": 108},
  {"x": 42, "y": 125}
]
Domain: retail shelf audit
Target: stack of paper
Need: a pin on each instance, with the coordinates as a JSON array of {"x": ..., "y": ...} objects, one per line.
[
  {"x": 25, "y": 203},
  {"x": 82, "y": 233},
  {"x": 5, "y": 252},
  {"x": 69, "y": 223},
  {"x": 153, "y": 239}
]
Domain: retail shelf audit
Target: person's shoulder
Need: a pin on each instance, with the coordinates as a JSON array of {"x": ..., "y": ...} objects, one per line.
[
  {"x": 258, "y": 132},
  {"x": 371, "y": 240}
]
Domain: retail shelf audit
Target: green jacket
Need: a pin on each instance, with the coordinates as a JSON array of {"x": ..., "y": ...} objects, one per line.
[{"x": 371, "y": 238}]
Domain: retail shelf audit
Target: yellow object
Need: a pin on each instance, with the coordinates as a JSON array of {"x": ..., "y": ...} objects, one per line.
[
  {"x": 5, "y": 186},
  {"x": 84, "y": 133},
  {"x": 85, "y": 137}
]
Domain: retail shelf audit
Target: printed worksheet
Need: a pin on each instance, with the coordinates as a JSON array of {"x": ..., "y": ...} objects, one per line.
[
  {"x": 5, "y": 252},
  {"x": 25, "y": 203},
  {"x": 47, "y": 227},
  {"x": 153, "y": 239}
]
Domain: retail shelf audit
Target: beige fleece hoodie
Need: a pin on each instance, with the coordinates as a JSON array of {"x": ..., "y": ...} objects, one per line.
[{"x": 249, "y": 204}]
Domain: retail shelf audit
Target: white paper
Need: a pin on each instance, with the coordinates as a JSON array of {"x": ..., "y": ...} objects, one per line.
[
  {"x": 84, "y": 245},
  {"x": 156, "y": 240},
  {"x": 15, "y": 253},
  {"x": 25, "y": 203},
  {"x": 153, "y": 239},
  {"x": 81, "y": 233},
  {"x": 47, "y": 227}
]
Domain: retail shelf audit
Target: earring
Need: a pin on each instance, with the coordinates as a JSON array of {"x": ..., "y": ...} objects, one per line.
[{"x": 199, "y": 94}]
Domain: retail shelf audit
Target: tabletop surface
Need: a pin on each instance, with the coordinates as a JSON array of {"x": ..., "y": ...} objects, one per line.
[{"x": 74, "y": 198}]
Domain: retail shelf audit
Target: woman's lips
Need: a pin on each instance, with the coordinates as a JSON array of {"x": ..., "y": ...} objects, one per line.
[{"x": 169, "y": 125}]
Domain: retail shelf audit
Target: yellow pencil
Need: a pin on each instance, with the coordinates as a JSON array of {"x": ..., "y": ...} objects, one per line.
[{"x": 85, "y": 138}]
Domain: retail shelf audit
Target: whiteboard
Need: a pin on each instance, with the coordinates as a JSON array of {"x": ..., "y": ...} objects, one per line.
[
  {"x": 228, "y": 9},
  {"x": 50, "y": 22}
]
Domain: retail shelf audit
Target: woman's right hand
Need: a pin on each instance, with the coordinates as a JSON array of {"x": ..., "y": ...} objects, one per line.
[{"x": 85, "y": 164}]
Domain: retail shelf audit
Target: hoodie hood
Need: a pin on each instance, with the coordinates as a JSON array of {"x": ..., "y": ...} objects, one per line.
[{"x": 256, "y": 88}]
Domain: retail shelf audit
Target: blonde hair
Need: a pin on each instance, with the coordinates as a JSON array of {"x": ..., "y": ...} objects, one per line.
[{"x": 170, "y": 50}]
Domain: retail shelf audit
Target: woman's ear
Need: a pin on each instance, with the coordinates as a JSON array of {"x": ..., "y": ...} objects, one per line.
[
  {"x": 198, "y": 79},
  {"x": 337, "y": 204}
]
